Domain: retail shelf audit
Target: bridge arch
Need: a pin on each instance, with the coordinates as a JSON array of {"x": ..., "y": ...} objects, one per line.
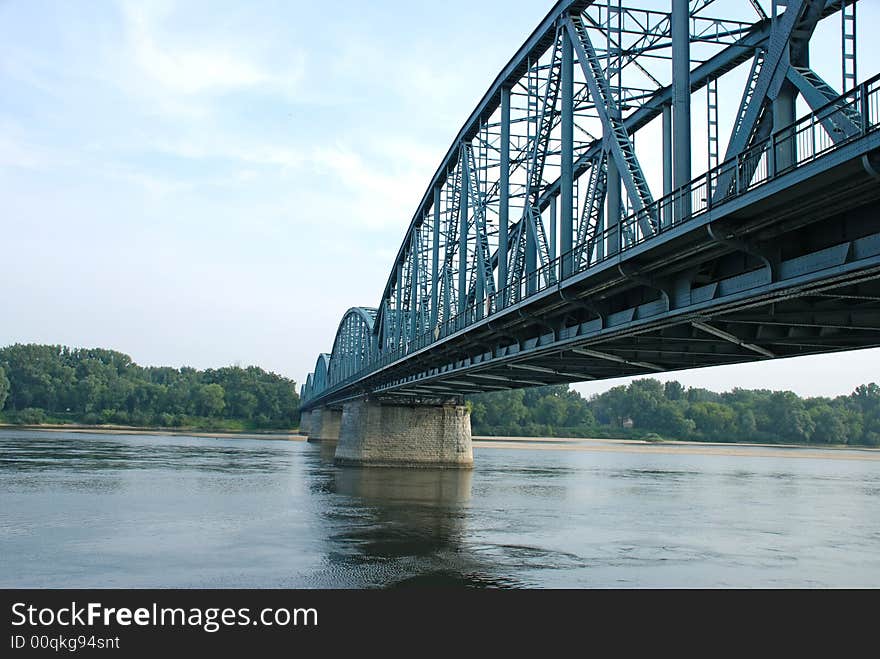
[
  {"x": 319, "y": 380},
  {"x": 354, "y": 343}
]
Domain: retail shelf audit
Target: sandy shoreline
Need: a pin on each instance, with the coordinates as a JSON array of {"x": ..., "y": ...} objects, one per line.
[
  {"x": 508, "y": 442},
  {"x": 836, "y": 452},
  {"x": 124, "y": 430}
]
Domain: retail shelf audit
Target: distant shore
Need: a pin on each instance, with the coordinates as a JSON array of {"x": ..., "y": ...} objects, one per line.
[
  {"x": 677, "y": 447},
  {"x": 291, "y": 434},
  {"x": 480, "y": 441}
]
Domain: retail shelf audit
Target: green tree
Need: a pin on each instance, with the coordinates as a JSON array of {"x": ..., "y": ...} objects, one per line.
[
  {"x": 552, "y": 411},
  {"x": 210, "y": 400},
  {"x": 613, "y": 406},
  {"x": 714, "y": 421},
  {"x": 645, "y": 397},
  {"x": 829, "y": 423},
  {"x": 792, "y": 422},
  {"x": 670, "y": 421},
  {"x": 95, "y": 385},
  {"x": 866, "y": 399},
  {"x": 504, "y": 408},
  {"x": 674, "y": 390},
  {"x": 746, "y": 426}
]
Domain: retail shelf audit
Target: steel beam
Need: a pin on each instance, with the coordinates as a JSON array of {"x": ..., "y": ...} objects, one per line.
[
  {"x": 504, "y": 189},
  {"x": 667, "y": 150},
  {"x": 727, "y": 336},
  {"x": 614, "y": 358},
  {"x": 614, "y": 130},
  {"x": 435, "y": 258},
  {"x": 681, "y": 94},
  {"x": 566, "y": 185},
  {"x": 463, "y": 238}
]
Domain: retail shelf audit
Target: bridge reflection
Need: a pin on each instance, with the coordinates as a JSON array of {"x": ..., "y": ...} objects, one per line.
[{"x": 404, "y": 527}]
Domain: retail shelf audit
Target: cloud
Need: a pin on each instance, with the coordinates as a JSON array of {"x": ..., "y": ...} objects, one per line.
[
  {"x": 19, "y": 152},
  {"x": 384, "y": 192},
  {"x": 254, "y": 152},
  {"x": 197, "y": 64}
]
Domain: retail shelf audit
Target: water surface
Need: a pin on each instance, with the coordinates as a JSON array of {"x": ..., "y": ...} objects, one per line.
[{"x": 97, "y": 510}]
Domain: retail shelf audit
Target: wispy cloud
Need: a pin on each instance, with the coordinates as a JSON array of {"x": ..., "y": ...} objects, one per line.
[
  {"x": 186, "y": 69},
  {"x": 381, "y": 193},
  {"x": 17, "y": 150}
]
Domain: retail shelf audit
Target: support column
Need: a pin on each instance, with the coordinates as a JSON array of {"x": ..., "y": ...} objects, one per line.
[
  {"x": 784, "y": 112},
  {"x": 612, "y": 207},
  {"x": 504, "y": 190},
  {"x": 681, "y": 99},
  {"x": 566, "y": 177},
  {"x": 304, "y": 422},
  {"x": 375, "y": 434},
  {"x": 415, "y": 245},
  {"x": 435, "y": 259},
  {"x": 324, "y": 424},
  {"x": 666, "y": 211},
  {"x": 531, "y": 257},
  {"x": 784, "y": 115},
  {"x": 463, "y": 239},
  {"x": 398, "y": 319}
]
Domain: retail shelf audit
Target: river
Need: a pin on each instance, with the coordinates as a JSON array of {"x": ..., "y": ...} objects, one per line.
[{"x": 106, "y": 510}]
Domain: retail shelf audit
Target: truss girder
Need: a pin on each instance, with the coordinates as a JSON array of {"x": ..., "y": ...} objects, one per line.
[
  {"x": 353, "y": 346},
  {"x": 482, "y": 281},
  {"x": 787, "y": 46},
  {"x": 448, "y": 294},
  {"x": 532, "y": 233},
  {"x": 590, "y": 225},
  {"x": 446, "y": 274},
  {"x": 839, "y": 125},
  {"x": 618, "y": 138}
]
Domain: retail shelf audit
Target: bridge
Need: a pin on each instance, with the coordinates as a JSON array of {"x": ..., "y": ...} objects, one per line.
[{"x": 564, "y": 237}]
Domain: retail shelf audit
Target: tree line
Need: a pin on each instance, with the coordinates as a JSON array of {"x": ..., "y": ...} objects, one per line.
[
  {"x": 51, "y": 383},
  {"x": 648, "y": 408}
]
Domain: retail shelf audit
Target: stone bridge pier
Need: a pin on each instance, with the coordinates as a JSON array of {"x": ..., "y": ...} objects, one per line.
[
  {"x": 405, "y": 433},
  {"x": 324, "y": 424},
  {"x": 304, "y": 422}
]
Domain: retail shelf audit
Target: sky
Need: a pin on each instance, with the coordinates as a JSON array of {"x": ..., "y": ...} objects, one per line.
[{"x": 214, "y": 183}]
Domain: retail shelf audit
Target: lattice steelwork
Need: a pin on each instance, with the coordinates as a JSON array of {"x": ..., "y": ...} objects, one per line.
[
  {"x": 544, "y": 181},
  {"x": 354, "y": 346}
]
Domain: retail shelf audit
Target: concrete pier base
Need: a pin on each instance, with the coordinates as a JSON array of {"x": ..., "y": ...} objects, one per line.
[
  {"x": 384, "y": 434},
  {"x": 304, "y": 422},
  {"x": 324, "y": 424}
]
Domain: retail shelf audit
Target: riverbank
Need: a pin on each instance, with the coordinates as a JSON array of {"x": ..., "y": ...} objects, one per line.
[
  {"x": 480, "y": 441},
  {"x": 291, "y": 434},
  {"x": 730, "y": 449}
]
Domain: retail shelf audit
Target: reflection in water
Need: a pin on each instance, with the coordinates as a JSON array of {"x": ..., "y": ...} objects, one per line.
[
  {"x": 328, "y": 451},
  {"x": 58, "y": 451},
  {"x": 403, "y": 527},
  {"x": 421, "y": 508},
  {"x": 412, "y": 518},
  {"x": 386, "y": 485}
]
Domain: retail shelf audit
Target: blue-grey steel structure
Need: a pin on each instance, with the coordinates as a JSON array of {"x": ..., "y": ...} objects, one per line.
[{"x": 540, "y": 253}]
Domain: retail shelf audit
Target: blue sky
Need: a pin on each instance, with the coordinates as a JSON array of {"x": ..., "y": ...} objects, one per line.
[{"x": 208, "y": 183}]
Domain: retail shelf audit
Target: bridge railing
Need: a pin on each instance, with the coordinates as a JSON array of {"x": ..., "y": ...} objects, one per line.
[{"x": 849, "y": 117}]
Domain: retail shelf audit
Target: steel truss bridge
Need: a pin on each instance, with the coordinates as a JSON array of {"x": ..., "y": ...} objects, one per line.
[{"x": 563, "y": 237}]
